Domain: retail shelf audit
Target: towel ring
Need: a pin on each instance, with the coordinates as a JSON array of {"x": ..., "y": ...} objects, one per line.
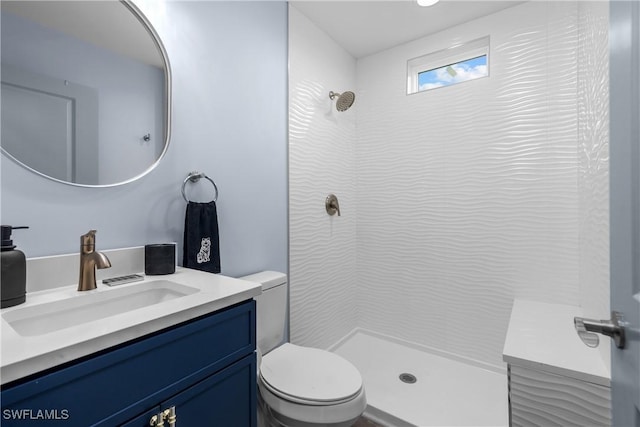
[{"x": 195, "y": 177}]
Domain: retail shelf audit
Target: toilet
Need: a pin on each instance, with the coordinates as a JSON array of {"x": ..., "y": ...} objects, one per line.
[{"x": 299, "y": 386}]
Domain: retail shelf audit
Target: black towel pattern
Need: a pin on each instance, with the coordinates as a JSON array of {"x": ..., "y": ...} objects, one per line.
[{"x": 201, "y": 249}]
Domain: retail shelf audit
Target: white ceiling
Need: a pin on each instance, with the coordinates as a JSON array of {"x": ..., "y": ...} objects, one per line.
[
  {"x": 107, "y": 24},
  {"x": 361, "y": 27},
  {"x": 366, "y": 27}
]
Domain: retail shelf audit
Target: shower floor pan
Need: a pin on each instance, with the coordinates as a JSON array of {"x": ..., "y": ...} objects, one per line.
[{"x": 446, "y": 392}]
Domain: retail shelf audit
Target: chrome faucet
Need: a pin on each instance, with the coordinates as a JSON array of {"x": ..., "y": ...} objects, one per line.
[{"x": 89, "y": 261}]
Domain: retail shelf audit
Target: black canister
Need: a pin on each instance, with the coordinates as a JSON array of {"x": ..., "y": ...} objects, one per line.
[
  {"x": 160, "y": 259},
  {"x": 13, "y": 270}
]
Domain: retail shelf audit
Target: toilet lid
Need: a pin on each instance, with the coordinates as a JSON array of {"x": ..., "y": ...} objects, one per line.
[{"x": 309, "y": 374}]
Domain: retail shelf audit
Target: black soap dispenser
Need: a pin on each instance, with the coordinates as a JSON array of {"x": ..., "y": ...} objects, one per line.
[{"x": 13, "y": 275}]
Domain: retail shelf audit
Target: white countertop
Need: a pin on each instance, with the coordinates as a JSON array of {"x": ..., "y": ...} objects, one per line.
[
  {"x": 24, "y": 355},
  {"x": 542, "y": 336}
]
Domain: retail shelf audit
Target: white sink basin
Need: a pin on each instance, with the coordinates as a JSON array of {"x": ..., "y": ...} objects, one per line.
[{"x": 88, "y": 306}]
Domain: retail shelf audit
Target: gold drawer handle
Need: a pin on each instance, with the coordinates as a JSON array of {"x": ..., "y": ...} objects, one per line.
[
  {"x": 157, "y": 420},
  {"x": 170, "y": 415}
]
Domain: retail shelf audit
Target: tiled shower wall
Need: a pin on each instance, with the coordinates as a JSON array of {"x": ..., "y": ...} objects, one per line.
[
  {"x": 467, "y": 196},
  {"x": 322, "y": 248}
]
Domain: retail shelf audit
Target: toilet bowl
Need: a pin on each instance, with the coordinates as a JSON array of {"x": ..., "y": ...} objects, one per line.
[
  {"x": 304, "y": 386},
  {"x": 299, "y": 386}
]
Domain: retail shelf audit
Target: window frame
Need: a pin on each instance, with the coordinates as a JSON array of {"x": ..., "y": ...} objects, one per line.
[{"x": 442, "y": 58}]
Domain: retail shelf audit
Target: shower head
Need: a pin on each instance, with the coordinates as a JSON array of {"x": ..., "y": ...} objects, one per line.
[{"x": 345, "y": 100}]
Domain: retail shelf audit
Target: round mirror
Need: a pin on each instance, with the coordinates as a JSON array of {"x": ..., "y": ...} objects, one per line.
[{"x": 85, "y": 90}]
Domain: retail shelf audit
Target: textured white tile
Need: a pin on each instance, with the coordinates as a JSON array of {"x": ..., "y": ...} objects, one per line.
[
  {"x": 321, "y": 161},
  {"x": 456, "y": 200},
  {"x": 543, "y": 399},
  {"x": 467, "y": 195}
]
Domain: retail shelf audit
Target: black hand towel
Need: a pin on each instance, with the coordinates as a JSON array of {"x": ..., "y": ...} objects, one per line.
[{"x": 201, "y": 241}]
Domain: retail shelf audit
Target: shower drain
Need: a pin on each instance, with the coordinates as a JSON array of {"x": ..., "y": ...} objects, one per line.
[{"x": 407, "y": 378}]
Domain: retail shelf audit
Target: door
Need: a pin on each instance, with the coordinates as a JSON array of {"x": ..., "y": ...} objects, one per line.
[
  {"x": 624, "y": 43},
  {"x": 37, "y": 129},
  {"x": 50, "y": 125}
]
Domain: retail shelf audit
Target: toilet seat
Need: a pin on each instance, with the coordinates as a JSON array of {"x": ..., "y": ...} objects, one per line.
[{"x": 309, "y": 376}]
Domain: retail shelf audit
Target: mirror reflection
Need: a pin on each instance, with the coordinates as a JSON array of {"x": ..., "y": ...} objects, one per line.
[{"x": 85, "y": 90}]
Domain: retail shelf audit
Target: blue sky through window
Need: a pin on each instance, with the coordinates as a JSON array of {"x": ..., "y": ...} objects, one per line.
[{"x": 462, "y": 71}]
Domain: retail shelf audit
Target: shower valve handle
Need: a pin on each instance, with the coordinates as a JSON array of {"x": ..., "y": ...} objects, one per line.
[{"x": 331, "y": 205}]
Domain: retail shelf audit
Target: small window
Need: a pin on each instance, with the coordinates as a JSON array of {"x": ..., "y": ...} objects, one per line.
[{"x": 458, "y": 64}]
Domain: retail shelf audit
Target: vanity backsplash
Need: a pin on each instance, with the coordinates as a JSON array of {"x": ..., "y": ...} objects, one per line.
[{"x": 60, "y": 270}]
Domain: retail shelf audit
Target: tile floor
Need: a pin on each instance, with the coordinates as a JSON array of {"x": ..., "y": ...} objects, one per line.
[{"x": 364, "y": 422}]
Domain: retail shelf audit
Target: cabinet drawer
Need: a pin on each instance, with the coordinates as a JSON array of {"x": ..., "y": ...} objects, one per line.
[{"x": 121, "y": 383}]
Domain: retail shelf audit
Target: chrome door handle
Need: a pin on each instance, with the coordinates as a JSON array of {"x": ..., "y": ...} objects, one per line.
[{"x": 612, "y": 328}]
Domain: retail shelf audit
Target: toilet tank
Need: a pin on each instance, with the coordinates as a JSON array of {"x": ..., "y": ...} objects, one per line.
[{"x": 271, "y": 307}]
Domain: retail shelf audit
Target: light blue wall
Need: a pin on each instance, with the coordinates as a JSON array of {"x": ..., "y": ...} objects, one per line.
[{"x": 229, "y": 64}]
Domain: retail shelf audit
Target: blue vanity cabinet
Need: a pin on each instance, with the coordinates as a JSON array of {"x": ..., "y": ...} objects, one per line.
[
  {"x": 219, "y": 400},
  {"x": 205, "y": 369}
]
